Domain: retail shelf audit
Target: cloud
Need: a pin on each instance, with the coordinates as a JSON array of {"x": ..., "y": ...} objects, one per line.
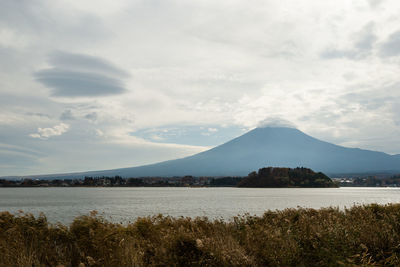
[
  {"x": 19, "y": 149},
  {"x": 67, "y": 115},
  {"x": 86, "y": 63},
  {"x": 91, "y": 116},
  {"x": 207, "y": 135},
  {"x": 334, "y": 53},
  {"x": 362, "y": 45},
  {"x": 99, "y": 132},
  {"x": 78, "y": 84},
  {"x": 275, "y": 122},
  {"x": 374, "y": 3},
  {"x": 41, "y": 21},
  {"x": 391, "y": 47},
  {"x": 38, "y": 114},
  {"x": 366, "y": 38},
  {"x": 75, "y": 75},
  {"x": 44, "y": 133}
]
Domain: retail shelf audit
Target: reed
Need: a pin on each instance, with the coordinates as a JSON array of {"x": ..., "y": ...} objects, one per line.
[{"x": 366, "y": 235}]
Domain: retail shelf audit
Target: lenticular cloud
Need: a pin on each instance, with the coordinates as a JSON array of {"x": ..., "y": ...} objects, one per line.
[{"x": 76, "y": 75}]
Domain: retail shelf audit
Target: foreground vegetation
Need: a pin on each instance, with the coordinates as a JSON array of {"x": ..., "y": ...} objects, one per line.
[{"x": 362, "y": 235}]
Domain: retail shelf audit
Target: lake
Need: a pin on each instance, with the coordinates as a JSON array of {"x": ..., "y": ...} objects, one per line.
[{"x": 126, "y": 204}]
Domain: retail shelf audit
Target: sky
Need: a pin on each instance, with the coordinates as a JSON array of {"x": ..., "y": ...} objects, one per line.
[{"x": 94, "y": 84}]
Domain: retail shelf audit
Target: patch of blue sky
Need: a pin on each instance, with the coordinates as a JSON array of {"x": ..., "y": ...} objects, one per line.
[{"x": 197, "y": 135}]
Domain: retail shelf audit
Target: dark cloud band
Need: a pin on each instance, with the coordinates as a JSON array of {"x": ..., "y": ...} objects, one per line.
[
  {"x": 76, "y": 75},
  {"x": 77, "y": 84},
  {"x": 79, "y": 62}
]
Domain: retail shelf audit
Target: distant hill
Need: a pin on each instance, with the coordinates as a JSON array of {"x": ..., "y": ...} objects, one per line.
[
  {"x": 268, "y": 146},
  {"x": 286, "y": 177}
]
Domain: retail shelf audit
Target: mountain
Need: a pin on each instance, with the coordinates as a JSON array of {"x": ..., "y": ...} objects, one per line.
[{"x": 261, "y": 147}]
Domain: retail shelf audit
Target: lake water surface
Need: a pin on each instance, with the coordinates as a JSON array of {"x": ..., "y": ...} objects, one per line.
[{"x": 126, "y": 204}]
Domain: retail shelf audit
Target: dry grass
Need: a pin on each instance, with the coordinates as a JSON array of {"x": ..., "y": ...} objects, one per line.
[{"x": 360, "y": 236}]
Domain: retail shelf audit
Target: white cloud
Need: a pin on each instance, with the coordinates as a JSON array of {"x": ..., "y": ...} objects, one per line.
[
  {"x": 99, "y": 132},
  {"x": 44, "y": 133},
  {"x": 156, "y": 137},
  {"x": 275, "y": 122}
]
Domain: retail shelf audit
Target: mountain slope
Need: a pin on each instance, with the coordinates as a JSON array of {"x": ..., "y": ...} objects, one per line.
[
  {"x": 269, "y": 146},
  {"x": 261, "y": 147}
]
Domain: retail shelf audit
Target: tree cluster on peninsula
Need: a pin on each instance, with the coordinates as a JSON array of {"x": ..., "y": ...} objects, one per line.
[{"x": 286, "y": 177}]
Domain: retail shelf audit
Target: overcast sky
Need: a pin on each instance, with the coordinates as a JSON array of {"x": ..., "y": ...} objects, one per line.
[{"x": 91, "y": 85}]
